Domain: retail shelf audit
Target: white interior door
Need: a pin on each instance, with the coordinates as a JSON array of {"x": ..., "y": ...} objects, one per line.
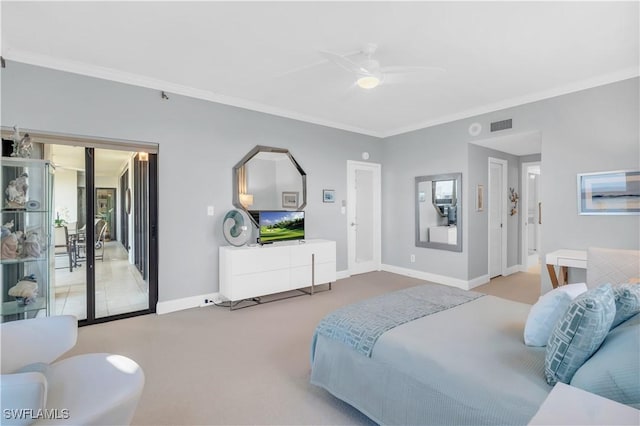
[
  {"x": 497, "y": 217},
  {"x": 363, "y": 217}
]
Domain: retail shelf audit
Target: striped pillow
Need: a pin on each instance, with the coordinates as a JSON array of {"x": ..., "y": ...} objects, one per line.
[
  {"x": 579, "y": 333},
  {"x": 627, "y": 302}
]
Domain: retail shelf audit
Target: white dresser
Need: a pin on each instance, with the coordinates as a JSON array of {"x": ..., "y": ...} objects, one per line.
[{"x": 248, "y": 272}]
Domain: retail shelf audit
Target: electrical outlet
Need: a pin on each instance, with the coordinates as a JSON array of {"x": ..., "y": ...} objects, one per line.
[
  {"x": 413, "y": 258},
  {"x": 207, "y": 302}
]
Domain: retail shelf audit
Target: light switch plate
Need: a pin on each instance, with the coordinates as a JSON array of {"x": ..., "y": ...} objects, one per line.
[{"x": 210, "y": 210}]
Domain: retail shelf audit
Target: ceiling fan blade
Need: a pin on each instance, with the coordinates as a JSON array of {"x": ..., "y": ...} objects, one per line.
[
  {"x": 344, "y": 62},
  {"x": 300, "y": 69},
  {"x": 412, "y": 69}
]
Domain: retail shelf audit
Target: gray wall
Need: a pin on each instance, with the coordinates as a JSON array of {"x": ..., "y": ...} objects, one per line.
[
  {"x": 431, "y": 151},
  {"x": 587, "y": 131},
  {"x": 199, "y": 143}
]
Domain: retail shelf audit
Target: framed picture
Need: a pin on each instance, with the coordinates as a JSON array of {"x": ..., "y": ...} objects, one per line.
[
  {"x": 609, "y": 193},
  {"x": 328, "y": 196},
  {"x": 480, "y": 198},
  {"x": 290, "y": 200}
]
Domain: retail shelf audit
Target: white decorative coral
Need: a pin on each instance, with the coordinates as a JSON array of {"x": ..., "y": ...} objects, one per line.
[{"x": 25, "y": 289}]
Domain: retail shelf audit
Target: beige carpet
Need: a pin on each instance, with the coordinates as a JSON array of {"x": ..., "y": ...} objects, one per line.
[
  {"x": 250, "y": 366},
  {"x": 522, "y": 286}
]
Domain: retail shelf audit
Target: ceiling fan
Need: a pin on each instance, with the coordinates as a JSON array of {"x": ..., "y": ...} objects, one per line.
[{"x": 368, "y": 72}]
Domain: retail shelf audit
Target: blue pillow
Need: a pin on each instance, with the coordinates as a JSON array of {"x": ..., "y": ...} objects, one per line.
[
  {"x": 627, "y": 302},
  {"x": 579, "y": 333},
  {"x": 614, "y": 370},
  {"x": 546, "y": 312}
]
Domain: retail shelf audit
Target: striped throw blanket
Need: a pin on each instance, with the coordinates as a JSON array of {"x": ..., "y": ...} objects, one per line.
[{"x": 359, "y": 325}]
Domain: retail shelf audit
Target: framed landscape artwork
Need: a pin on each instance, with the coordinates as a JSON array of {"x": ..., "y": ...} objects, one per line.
[{"x": 609, "y": 193}]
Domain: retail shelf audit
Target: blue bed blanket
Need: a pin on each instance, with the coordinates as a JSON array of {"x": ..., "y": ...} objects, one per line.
[{"x": 359, "y": 325}]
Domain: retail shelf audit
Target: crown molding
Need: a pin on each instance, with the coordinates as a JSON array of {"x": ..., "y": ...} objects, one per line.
[
  {"x": 577, "y": 86},
  {"x": 111, "y": 74}
]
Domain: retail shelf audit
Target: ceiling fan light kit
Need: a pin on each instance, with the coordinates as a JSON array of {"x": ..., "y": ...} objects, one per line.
[
  {"x": 368, "y": 81},
  {"x": 368, "y": 72}
]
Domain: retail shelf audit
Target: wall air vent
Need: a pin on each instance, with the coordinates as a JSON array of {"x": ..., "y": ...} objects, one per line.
[{"x": 501, "y": 125}]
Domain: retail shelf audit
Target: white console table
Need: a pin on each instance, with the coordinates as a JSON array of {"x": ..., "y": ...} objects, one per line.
[
  {"x": 250, "y": 272},
  {"x": 564, "y": 259}
]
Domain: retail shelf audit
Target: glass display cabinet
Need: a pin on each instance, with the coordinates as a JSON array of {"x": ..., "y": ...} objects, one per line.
[{"x": 26, "y": 252}]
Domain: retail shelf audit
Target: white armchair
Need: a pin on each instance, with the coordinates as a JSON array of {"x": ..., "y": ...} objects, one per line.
[{"x": 90, "y": 389}]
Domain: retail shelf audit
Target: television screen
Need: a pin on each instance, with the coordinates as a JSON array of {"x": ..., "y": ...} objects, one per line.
[{"x": 281, "y": 225}]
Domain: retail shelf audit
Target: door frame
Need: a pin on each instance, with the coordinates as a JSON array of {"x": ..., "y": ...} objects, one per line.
[
  {"x": 524, "y": 188},
  {"x": 376, "y": 168},
  {"x": 90, "y": 144},
  {"x": 503, "y": 214}
]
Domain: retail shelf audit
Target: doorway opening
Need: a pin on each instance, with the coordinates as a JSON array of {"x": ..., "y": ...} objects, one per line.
[
  {"x": 101, "y": 279},
  {"x": 531, "y": 214}
]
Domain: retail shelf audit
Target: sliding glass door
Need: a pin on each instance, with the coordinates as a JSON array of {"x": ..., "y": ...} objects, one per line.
[{"x": 114, "y": 248}]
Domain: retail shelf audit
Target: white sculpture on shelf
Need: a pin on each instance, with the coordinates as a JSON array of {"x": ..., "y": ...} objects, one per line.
[
  {"x": 25, "y": 291},
  {"x": 16, "y": 192},
  {"x": 31, "y": 247},
  {"x": 22, "y": 146}
]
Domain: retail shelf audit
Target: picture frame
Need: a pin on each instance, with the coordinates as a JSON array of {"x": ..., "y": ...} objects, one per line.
[
  {"x": 290, "y": 200},
  {"x": 328, "y": 196},
  {"x": 609, "y": 193},
  {"x": 480, "y": 198}
]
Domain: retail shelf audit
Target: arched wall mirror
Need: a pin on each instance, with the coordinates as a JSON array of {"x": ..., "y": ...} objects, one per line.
[
  {"x": 269, "y": 178},
  {"x": 439, "y": 211}
]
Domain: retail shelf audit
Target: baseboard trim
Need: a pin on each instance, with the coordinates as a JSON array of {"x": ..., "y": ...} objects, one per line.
[
  {"x": 340, "y": 275},
  {"x": 512, "y": 270},
  {"x": 478, "y": 281},
  {"x": 198, "y": 301},
  {"x": 185, "y": 303},
  {"x": 427, "y": 276}
]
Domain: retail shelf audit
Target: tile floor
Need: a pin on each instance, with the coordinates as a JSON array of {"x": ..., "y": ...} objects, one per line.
[{"x": 119, "y": 286}]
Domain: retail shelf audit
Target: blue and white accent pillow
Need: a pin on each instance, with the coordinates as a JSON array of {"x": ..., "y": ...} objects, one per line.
[
  {"x": 627, "y": 302},
  {"x": 547, "y": 311},
  {"x": 579, "y": 333}
]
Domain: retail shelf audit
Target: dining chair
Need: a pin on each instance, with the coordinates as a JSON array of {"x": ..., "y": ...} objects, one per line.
[
  {"x": 100, "y": 232},
  {"x": 62, "y": 245}
]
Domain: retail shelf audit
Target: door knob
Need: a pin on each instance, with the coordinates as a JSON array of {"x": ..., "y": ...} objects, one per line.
[{"x": 353, "y": 224}]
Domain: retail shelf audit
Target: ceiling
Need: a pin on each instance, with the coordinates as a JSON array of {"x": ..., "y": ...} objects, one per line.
[
  {"x": 108, "y": 162},
  {"x": 265, "y": 56}
]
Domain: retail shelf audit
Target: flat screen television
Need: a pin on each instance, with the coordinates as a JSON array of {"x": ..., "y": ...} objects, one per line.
[{"x": 281, "y": 226}]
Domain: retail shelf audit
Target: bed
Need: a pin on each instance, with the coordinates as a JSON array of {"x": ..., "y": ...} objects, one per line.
[{"x": 461, "y": 363}]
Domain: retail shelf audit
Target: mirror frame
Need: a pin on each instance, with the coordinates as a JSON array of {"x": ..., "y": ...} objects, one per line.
[
  {"x": 440, "y": 246},
  {"x": 246, "y": 159}
]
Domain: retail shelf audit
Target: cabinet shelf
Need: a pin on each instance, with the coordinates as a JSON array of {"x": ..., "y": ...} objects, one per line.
[
  {"x": 15, "y": 211},
  {"x": 21, "y": 260},
  {"x": 12, "y": 307}
]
